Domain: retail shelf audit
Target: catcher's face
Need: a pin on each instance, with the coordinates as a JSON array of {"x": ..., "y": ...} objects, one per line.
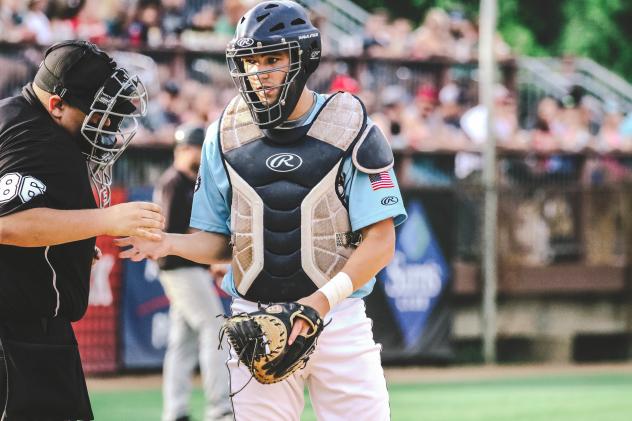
[{"x": 267, "y": 73}]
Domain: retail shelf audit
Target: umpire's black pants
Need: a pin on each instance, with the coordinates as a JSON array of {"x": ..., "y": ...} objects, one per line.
[{"x": 41, "y": 378}]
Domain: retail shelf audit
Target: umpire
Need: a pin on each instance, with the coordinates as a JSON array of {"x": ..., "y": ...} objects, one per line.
[
  {"x": 195, "y": 304},
  {"x": 66, "y": 128}
]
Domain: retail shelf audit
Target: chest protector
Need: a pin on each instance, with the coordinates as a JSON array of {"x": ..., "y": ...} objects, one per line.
[{"x": 290, "y": 229}]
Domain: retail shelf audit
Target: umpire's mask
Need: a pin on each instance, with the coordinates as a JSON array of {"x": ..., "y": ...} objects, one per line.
[{"x": 87, "y": 78}]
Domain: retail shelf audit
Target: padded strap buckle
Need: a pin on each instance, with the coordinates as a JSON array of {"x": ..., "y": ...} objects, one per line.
[{"x": 348, "y": 239}]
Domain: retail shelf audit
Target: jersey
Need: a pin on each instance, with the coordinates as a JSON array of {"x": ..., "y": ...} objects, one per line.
[
  {"x": 174, "y": 194},
  {"x": 369, "y": 200},
  {"x": 41, "y": 165}
]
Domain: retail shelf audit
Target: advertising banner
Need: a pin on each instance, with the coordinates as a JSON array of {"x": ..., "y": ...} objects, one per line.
[
  {"x": 409, "y": 305},
  {"x": 145, "y": 320}
]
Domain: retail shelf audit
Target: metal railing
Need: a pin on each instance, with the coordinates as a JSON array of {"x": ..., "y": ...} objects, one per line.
[
  {"x": 343, "y": 21},
  {"x": 557, "y": 76}
]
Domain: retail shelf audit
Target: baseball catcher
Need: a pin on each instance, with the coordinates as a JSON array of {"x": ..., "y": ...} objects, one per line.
[{"x": 296, "y": 189}]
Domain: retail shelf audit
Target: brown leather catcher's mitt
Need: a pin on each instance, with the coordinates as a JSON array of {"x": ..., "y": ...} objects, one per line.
[{"x": 260, "y": 340}]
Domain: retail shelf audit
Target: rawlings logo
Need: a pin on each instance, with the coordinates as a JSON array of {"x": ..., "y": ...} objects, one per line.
[
  {"x": 389, "y": 200},
  {"x": 284, "y": 162},
  {"x": 245, "y": 42}
]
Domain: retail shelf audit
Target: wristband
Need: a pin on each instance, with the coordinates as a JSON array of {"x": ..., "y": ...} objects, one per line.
[{"x": 337, "y": 289}]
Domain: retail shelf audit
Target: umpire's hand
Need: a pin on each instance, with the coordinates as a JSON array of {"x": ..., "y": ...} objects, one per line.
[{"x": 139, "y": 219}]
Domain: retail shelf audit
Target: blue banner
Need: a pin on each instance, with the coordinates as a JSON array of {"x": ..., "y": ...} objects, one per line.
[
  {"x": 416, "y": 276},
  {"x": 145, "y": 309}
]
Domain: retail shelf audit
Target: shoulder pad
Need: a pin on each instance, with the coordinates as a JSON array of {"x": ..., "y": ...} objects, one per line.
[{"x": 372, "y": 154}]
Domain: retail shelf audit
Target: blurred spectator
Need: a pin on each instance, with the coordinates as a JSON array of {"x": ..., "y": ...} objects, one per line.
[
  {"x": 344, "y": 82},
  {"x": 375, "y": 35},
  {"x": 232, "y": 11},
  {"x": 464, "y": 34},
  {"x": 610, "y": 137},
  {"x": 433, "y": 38},
  {"x": 90, "y": 22},
  {"x": 11, "y": 19},
  {"x": 449, "y": 105},
  {"x": 145, "y": 27},
  {"x": 474, "y": 120},
  {"x": 575, "y": 134},
  {"x": 174, "y": 20},
  {"x": 422, "y": 128},
  {"x": 391, "y": 117},
  {"x": 547, "y": 126},
  {"x": 592, "y": 113},
  {"x": 400, "y": 38},
  {"x": 36, "y": 21}
]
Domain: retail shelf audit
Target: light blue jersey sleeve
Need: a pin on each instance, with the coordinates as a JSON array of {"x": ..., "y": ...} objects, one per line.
[
  {"x": 211, "y": 210},
  {"x": 370, "y": 203}
]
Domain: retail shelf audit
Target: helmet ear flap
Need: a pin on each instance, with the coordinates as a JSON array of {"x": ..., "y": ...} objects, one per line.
[{"x": 312, "y": 56}]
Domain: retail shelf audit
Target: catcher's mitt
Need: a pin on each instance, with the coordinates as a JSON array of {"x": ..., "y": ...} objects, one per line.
[{"x": 260, "y": 340}]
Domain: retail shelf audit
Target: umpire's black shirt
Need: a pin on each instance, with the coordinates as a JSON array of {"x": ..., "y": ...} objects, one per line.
[
  {"x": 41, "y": 165},
  {"x": 174, "y": 194}
]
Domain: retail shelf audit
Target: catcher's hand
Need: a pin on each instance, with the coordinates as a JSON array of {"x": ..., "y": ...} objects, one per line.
[{"x": 260, "y": 340}]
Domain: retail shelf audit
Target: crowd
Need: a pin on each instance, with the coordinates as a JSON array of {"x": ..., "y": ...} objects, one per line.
[
  {"x": 428, "y": 114},
  {"x": 208, "y": 24}
]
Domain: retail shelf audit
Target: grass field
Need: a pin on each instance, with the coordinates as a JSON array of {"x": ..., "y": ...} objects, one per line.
[{"x": 564, "y": 396}]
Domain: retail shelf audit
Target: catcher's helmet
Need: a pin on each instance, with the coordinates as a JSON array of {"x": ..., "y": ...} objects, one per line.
[
  {"x": 274, "y": 26},
  {"x": 87, "y": 78}
]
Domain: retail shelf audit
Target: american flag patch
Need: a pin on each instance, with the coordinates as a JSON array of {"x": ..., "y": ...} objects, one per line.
[{"x": 381, "y": 181}]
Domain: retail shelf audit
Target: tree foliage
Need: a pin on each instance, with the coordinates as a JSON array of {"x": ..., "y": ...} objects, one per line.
[{"x": 599, "y": 29}]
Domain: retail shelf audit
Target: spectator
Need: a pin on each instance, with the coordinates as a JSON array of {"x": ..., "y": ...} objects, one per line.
[
  {"x": 547, "y": 126},
  {"x": 610, "y": 137},
  {"x": 433, "y": 38},
  {"x": 473, "y": 121},
  {"x": 375, "y": 37},
  {"x": 399, "y": 39},
  {"x": 36, "y": 21},
  {"x": 174, "y": 20},
  {"x": 575, "y": 135},
  {"x": 344, "y": 82},
  {"x": 232, "y": 10},
  {"x": 423, "y": 124},
  {"x": 391, "y": 118},
  {"x": 449, "y": 105},
  {"x": 90, "y": 23},
  {"x": 146, "y": 25},
  {"x": 464, "y": 34}
]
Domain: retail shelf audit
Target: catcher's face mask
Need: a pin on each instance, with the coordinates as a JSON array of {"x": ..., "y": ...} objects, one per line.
[
  {"x": 110, "y": 125},
  {"x": 264, "y": 77}
]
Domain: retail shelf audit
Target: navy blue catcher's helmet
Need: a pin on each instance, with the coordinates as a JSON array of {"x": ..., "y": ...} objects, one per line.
[{"x": 274, "y": 26}]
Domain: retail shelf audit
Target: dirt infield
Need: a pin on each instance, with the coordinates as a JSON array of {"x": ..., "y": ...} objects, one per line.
[{"x": 399, "y": 375}]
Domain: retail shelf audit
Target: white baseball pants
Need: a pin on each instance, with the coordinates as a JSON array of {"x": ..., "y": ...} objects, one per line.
[{"x": 344, "y": 375}]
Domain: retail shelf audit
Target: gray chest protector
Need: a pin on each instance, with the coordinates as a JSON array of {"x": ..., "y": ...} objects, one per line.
[{"x": 290, "y": 228}]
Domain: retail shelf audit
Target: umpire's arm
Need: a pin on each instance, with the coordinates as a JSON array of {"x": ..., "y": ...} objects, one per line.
[{"x": 40, "y": 227}]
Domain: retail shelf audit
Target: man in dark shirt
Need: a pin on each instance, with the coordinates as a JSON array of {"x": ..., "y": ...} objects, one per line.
[
  {"x": 72, "y": 113},
  {"x": 194, "y": 326}
]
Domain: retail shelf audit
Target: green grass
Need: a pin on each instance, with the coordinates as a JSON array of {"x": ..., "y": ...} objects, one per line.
[{"x": 595, "y": 397}]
